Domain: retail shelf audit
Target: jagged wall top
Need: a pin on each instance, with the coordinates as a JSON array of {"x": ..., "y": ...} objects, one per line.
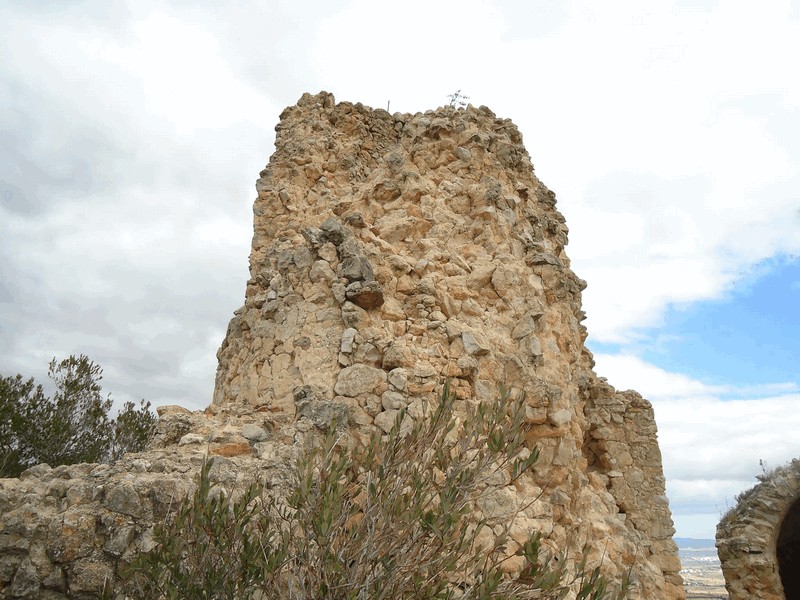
[
  {"x": 389, "y": 252},
  {"x": 392, "y": 252},
  {"x": 454, "y": 231}
]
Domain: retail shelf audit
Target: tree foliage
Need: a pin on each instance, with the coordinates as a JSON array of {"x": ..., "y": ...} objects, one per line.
[
  {"x": 389, "y": 518},
  {"x": 70, "y": 427}
]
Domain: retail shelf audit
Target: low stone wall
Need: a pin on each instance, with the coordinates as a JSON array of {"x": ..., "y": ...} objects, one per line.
[{"x": 65, "y": 531}]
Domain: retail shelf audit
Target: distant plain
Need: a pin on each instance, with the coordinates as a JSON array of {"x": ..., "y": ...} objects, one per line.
[{"x": 701, "y": 571}]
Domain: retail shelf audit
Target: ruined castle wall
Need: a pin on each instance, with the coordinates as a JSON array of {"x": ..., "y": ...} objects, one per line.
[
  {"x": 393, "y": 252},
  {"x": 624, "y": 454},
  {"x": 390, "y": 253},
  {"x": 748, "y": 537}
]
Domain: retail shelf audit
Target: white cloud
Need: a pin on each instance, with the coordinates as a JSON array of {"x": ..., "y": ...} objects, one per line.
[
  {"x": 696, "y": 525},
  {"x": 182, "y": 75},
  {"x": 134, "y": 218},
  {"x": 412, "y": 55},
  {"x": 626, "y": 371}
]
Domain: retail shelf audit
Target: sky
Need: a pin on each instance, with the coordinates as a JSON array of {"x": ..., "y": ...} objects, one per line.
[{"x": 131, "y": 135}]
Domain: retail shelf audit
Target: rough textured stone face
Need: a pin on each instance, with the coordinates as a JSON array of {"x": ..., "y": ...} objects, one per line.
[
  {"x": 758, "y": 541},
  {"x": 390, "y": 253}
]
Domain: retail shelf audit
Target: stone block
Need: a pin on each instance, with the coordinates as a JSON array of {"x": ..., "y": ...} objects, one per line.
[{"x": 360, "y": 379}]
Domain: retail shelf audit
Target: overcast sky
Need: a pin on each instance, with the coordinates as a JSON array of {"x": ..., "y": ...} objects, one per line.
[{"x": 131, "y": 135}]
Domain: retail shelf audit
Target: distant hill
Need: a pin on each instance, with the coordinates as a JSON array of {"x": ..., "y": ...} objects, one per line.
[{"x": 694, "y": 542}]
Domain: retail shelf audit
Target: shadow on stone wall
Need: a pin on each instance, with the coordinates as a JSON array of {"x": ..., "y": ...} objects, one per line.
[
  {"x": 788, "y": 551},
  {"x": 758, "y": 539}
]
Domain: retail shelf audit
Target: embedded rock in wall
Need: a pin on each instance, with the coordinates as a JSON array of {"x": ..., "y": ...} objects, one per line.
[
  {"x": 390, "y": 253},
  {"x": 758, "y": 540},
  {"x": 393, "y": 252}
]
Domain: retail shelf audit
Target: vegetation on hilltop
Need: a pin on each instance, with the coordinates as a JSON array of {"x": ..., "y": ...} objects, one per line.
[{"x": 71, "y": 427}]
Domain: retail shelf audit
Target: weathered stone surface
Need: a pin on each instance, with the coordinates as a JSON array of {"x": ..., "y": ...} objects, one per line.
[
  {"x": 561, "y": 417},
  {"x": 326, "y": 414},
  {"x": 390, "y": 253},
  {"x": 475, "y": 344},
  {"x": 169, "y": 409},
  {"x": 348, "y": 339},
  {"x": 192, "y": 438},
  {"x": 26, "y": 583},
  {"x": 758, "y": 539},
  {"x": 90, "y": 576},
  {"x": 398, "y": 355},
  {"x": 254, "y": 433},
  {"x": 393, "y": 400},
  {"x": 124, "y": 499},
  {"x": 360, "y": 379},
  {"x": 367, "y": 294},
  {"x": 386, "y": 420}
]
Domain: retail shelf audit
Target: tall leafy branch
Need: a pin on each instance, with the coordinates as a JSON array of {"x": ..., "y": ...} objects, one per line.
[{"x": 70, "y": 427}]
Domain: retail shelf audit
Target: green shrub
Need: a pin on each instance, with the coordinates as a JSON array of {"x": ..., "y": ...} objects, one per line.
[
  {"x": 388, "y": 518},
  {"x": 213, "y": 547}
]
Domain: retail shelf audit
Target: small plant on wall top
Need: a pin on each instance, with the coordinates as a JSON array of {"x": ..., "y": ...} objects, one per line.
[{"x": 457, "y": 99}]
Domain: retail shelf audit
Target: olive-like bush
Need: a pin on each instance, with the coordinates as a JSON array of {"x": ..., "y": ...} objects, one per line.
[{"x": 389, "y": 518}]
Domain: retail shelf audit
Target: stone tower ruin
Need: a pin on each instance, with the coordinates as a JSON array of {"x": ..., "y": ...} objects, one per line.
[{"x": 391, "y": 253}]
